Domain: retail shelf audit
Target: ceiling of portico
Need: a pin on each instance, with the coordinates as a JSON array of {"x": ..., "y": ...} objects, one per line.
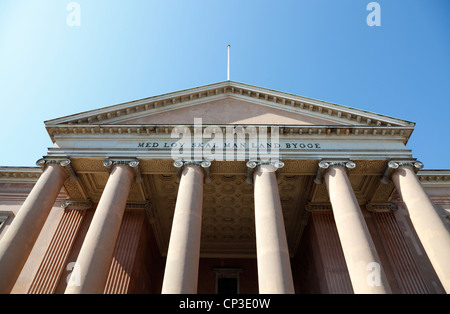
[{"x": 228, "y": 228}]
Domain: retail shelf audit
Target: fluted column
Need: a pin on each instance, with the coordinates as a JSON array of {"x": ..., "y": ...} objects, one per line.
[
  {"x": 21, "y": 235},
  {"x": 94, "y": 260},
  {"x": 181, "y": 272},
  {"x": 274, "y": 267},
  {"x": 429, "y": 227},
  {"x": 362, "y": 260}
]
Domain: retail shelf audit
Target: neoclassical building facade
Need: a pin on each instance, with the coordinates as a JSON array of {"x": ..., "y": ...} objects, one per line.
[{"x": 225, "y": 188}]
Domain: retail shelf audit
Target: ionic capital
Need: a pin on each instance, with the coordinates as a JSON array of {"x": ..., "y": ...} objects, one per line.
[
  {"x": 327, "y": 164},
  {"x": 62, "y": 162},
  {"x": 204, "y": 164},
  {"x": 76, "y": 204},
  {"x": 396, "y": 164},
  {"x": 133, "y": 163},
  {"x": 316, "y": 207},
  {"x": 253, "y": 164},
  {"x": 381, "y": 207}
]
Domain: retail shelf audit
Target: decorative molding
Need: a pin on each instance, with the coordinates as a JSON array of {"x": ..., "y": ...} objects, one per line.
[
  {"x": 253, "y": 164},
  {"x": 64, "y": 162},
  {"x": 326, "y": 164},
  {"x": 434, "y": 177},
  {"x": 285, "y": 130},
  {"x": 381, "y": 207},
  {"x": 139, "y": 205},
  {"x": 311, "y": 207},
  {"x": 204, "y": 164},
  {"x": 76, "y": 204},
  {"x": 20, "y": 174},
  {"x": 394, "y": 165},
  {"x": 133, "y": 163}
]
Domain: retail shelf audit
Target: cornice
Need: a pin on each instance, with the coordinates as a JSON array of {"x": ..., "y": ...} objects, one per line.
[
  {"x": 20, "y": 174},
  {"x": 87, "y": 130},
  {"x": 436, "y": 178}
]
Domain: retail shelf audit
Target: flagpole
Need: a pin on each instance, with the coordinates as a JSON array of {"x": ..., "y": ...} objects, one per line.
[{"x": 228, "y": 67}]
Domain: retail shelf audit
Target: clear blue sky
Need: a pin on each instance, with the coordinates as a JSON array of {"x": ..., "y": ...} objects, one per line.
[{"x": 128, "y": 50}]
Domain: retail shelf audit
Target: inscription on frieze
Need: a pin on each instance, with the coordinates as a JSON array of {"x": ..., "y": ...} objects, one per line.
[{"x": 225, "y": 145}]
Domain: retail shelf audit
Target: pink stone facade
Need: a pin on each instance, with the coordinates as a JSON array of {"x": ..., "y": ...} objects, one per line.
[
  {"x": 138, "y": 267},
  {"x": 347, "y": 209}
]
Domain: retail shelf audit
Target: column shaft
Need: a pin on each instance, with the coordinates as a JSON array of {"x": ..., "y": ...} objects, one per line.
[
  {"x": 361, "y": 257},
  {"x": 181, "y": 272},
  {"x": 20, "y": 237},
  {"x": 430, "y": 229},
  {"x": 94, "y": 259},
  {"x": 274, "y": 267}
]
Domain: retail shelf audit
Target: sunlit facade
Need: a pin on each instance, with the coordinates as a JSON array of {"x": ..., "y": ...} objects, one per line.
[{"x": 225, "y": 188}]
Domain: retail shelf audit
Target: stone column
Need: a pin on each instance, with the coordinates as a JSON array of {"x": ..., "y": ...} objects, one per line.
[
  {"x": 430, "y": 229},
  {"x": 181, "y": 272},
  {"x": 362, "y": 260},
  {"x": 94, "y": 260},
  {"x": 274, "y": 267},
  {"x": 21, "y": 235}
]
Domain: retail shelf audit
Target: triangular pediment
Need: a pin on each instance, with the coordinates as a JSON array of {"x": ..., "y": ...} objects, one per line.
[
  {"x": 227, "y": 110},
  {"x": 229, "y": 103}
]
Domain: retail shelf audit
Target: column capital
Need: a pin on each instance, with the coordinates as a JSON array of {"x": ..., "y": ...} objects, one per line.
[
  {"x": 183, "y": 163},
  {"x": 63, "y": 162},
  {"x": 396, "y": 164},
  {"x": 327, "y": 164},
  {"x": 76, "y": 204},
  {"x": 316, "y": 207},
  {"x": 253, "y": 164},
  {"x": 204, "y": 164},
  {"x": 133, "y": 163},
  {"x": 256, "y": 163},
  {"x": 381, "y": 207}
]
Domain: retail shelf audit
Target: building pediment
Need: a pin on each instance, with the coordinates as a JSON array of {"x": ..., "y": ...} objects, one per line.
[
  {"x": 228, "y": 103},
  {"x": 151, "y": 127},
  {"x": 227, "y": 110}
]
